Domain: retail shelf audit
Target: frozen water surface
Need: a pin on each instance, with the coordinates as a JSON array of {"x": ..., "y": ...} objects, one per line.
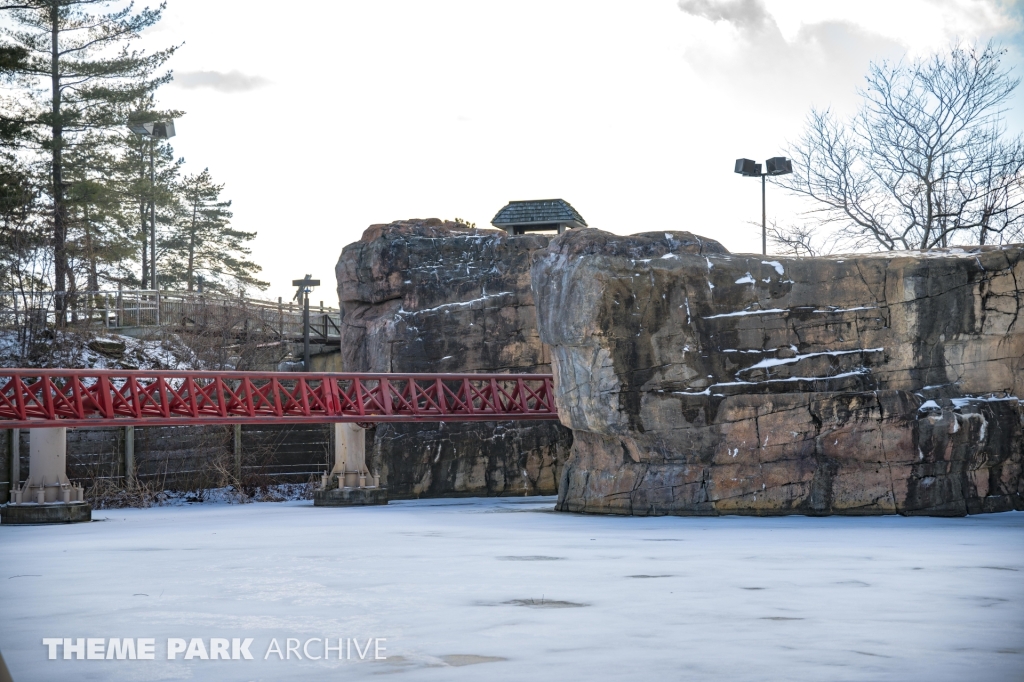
[{"x": 505, "y": 589}]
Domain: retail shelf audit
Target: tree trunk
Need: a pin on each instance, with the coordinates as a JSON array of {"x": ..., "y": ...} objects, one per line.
[
  {"x": 69, "y": 300},
  {"x": 929, "y": 210},
  {"x": 60, "y": 256},
  {"x": 93, "y": 283},
  {"x": 191, "y": 246},
  {"x": 145, "y": 242}
]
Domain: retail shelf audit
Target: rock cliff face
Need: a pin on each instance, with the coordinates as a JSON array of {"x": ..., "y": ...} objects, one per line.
[
  {"x": 433, "y": 296},
  {"x": 700, "y": 382}
]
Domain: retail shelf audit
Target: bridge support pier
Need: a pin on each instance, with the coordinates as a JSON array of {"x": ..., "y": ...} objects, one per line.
[
  {"x": 47, "y": 496},
  {"x": 349, "y": 483}
]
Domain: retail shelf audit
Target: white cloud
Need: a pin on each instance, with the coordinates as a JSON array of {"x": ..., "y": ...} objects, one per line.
[
  {"x": 748, "y": 50},
  {"x": 231, "y": 81},
  {"x": 747, "y": 15}
]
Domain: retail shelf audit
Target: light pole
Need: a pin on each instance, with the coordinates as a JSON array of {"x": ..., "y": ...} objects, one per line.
[
  {"x": 305, "y": 285},
  {"x": 778, "y": 165},
  {"x": 154, "y": 130}
]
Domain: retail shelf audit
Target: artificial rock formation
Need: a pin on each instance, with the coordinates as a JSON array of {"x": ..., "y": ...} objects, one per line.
[
  {"x": 434, "y": 296},
  {"x": 700, "y": 382}
]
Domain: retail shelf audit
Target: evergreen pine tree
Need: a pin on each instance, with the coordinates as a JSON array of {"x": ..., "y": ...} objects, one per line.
[
  {"x": 203, "y": 243},
  {"x": 100, "y": 249},
  {"x": 80, "y": 49}
]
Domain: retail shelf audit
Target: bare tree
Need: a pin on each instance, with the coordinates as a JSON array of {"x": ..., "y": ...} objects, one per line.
[
  {"x": 801, "y": 241},
  {"x": 926, "y": 162}
]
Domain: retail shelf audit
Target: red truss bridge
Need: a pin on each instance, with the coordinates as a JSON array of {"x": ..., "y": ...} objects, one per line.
[{"x": 34, "y": 398}]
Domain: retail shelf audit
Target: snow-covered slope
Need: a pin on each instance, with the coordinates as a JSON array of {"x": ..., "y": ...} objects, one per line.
[{"x": 73, "y": 349}]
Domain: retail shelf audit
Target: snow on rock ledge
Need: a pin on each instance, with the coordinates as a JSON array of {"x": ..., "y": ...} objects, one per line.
[{"x": 702, "y": 382}]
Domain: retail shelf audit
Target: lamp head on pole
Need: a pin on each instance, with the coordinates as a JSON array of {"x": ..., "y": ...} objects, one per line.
[
  {"x": 748, "y": 168},
  {"x": 779, "y": 165},
  {"x": 160, "y": 130},
  {"x": 305, "y": 285}
]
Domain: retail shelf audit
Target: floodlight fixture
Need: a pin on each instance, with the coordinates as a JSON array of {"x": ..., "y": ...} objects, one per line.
[
  {"x": 777, "y": 165},
  {"x": 160, "y": 130},
  {"x": 748, "y": 168}
]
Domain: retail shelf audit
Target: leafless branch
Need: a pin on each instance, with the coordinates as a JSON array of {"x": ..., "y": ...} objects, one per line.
[{"x": 924, "y": 163}]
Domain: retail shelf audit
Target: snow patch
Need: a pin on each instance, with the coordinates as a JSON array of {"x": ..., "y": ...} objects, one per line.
[
  {"x": 773, "y": 362},
  {"x": 843, "y": 375},
  {"x": 706, "y": 391},
  {"x": 832, "y": 309},
  {"x": 740, "y": 313},
  {"x": 449, "y": 307},
  {"x": 70, "y": 349},
  {"x": 964, "y": 402}
]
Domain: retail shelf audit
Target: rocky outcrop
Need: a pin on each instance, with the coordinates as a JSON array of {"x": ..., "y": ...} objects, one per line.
[
  {"x": 700, "y": 382},
  {"x": 433, "y": 296}
]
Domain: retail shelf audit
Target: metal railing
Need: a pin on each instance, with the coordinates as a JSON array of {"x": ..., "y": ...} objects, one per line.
[
  {"x": 41, "y": 398},
  {"x": 151, "y": 308}
]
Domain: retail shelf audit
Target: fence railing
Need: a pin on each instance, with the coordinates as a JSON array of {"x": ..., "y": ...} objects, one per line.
[
  {"x": 152, "y": 308},
  {"x": 42, "y": 398}
]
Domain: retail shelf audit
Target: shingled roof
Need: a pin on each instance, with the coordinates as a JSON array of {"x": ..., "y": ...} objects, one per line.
[{"x": 538, "y": 211}]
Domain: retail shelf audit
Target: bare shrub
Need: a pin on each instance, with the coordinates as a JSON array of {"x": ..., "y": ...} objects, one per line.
[{"x": 108, "y": 493}]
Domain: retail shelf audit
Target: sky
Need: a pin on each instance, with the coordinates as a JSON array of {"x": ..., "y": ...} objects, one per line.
[{"x": 337, "y": 115}]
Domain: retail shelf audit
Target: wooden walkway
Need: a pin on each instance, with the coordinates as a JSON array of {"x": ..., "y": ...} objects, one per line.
[{"x": 149, "y": 308}]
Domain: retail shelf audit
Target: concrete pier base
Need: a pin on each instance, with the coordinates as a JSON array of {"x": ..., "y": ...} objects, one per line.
[
  {"x": 349, "y": 497},
  {"x": 47, "y": 496},
  {"x": 31, "y": 513},
  {"x": 350, "y": 483}
]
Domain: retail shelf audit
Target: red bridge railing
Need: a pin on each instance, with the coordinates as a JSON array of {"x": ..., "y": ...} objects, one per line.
[{"x": 77, "y": 397}]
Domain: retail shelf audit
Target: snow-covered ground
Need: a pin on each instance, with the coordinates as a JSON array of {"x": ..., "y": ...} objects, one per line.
[
  {"x": 505, "y": 589},
  {"x": 72, "y": 349}
]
